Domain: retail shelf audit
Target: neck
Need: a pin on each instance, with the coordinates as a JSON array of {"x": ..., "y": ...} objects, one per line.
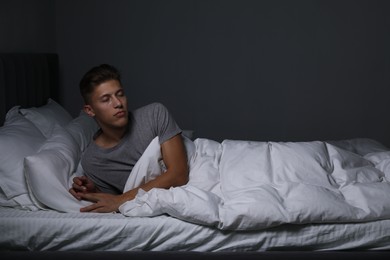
[{"x": 110, "y": 137}]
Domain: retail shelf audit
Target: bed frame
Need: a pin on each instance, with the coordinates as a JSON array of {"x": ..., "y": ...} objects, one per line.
[{"x": 29, "y": 80}]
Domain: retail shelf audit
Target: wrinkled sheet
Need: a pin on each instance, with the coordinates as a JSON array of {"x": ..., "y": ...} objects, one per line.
[{"x": 251, "y": 185}]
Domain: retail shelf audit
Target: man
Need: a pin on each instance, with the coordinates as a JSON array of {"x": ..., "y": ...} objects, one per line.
[{"x": 120, "y": 142}]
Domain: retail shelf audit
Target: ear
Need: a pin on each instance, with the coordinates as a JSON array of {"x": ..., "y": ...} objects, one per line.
[{"x": 88, "y": 109}]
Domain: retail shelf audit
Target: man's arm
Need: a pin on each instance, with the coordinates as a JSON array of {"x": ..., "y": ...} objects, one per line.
[{"x": 175, "y": 159}]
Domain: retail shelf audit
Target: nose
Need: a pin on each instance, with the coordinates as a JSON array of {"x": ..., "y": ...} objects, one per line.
[{"x": 117, "y": 102}]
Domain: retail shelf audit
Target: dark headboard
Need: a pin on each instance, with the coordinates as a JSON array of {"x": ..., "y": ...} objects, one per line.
[{"x": 27, "y": 79}]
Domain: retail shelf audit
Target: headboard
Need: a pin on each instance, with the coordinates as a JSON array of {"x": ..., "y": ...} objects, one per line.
[{"x": 27, "y": 79}]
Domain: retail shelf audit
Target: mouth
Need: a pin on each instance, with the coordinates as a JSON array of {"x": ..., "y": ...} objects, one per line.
[{"x": 120, "y": 113}]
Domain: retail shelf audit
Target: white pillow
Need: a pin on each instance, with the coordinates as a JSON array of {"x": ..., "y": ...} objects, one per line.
[
  {"x": 49, "y": 173},
  {"x": 82, "y": 129},
  {"x": 18, "y": 139},
  {"x": 46, "y": 117}
]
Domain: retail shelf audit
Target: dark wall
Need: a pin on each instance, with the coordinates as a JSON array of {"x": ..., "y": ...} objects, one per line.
[
  {"x": 261, "y": 70},
  {"x": 27, "y": 26}
]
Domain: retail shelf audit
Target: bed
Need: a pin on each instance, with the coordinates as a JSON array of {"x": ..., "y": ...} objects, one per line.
[{"x": 244, "y": 198}]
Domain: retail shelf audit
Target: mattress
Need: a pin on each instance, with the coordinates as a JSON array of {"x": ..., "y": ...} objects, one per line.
[{"x": 52, "y": 230}]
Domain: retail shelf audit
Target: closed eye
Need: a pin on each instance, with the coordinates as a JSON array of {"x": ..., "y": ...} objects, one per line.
[
  {"x": 105, "y": 98},
  {"x": 120, "y": 93}
]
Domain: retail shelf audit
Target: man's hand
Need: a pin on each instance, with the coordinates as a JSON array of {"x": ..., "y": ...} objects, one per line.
[
  {"x": 82, "y": 185},
  {"x": 84, "y": 189},
  {"x": 103, "y": 202}
]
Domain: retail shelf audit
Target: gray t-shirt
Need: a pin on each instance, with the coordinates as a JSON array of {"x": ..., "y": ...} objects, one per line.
[{"x": 109, "y": 168}]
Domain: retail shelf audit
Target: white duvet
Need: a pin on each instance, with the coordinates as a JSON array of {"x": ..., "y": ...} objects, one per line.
[{"x": 248, "y": 185}]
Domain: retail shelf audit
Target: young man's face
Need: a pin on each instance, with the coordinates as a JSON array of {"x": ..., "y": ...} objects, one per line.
[{"x": 108, "y": 104}]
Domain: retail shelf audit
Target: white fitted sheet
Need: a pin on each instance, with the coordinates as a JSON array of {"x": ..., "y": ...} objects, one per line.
[{"x": 51, "y": 230}]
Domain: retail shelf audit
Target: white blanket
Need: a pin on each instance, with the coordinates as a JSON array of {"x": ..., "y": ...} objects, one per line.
[{"x": 248, "y": 185}]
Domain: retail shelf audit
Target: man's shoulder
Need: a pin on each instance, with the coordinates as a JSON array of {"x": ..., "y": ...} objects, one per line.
[{"x": 150, "y": 108}]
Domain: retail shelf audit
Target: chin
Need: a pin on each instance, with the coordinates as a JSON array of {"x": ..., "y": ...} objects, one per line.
[{"x": 122, "y": 123}]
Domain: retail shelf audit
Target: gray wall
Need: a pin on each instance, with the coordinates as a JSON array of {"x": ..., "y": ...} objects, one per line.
[
  {"x": 27, "y": 26},
  {"x": 261, "y": 70}
]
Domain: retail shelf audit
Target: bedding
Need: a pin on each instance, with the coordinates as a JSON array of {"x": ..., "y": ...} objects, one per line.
[
  {"x": 18, "y": 139},
  {"x": 265, "y": 184},
  {"x": 50, "y": 171},
  {"x": 242, "y": 195},
  {"x": 31, "y": 161},
  {"x": 233, "y": 185}
]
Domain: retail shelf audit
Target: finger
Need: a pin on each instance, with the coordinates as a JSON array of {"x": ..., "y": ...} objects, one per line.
[
  {"x": 93, "y": 197},
  {"x": 79, "y": 188},
  {"x": 91, "y": 208},
  {"x": 74, "y": 194},
  {"x": 77, "y": 180},
  {"x": 102, "y": 209},
  {"x": 83, "y": 179}
]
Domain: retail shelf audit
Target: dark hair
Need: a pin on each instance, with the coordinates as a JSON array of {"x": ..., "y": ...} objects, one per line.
[{"x": 96, "y": 76}]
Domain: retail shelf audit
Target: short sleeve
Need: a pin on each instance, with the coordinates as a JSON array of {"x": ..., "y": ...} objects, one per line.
[{"x": 164, "y": 123}]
